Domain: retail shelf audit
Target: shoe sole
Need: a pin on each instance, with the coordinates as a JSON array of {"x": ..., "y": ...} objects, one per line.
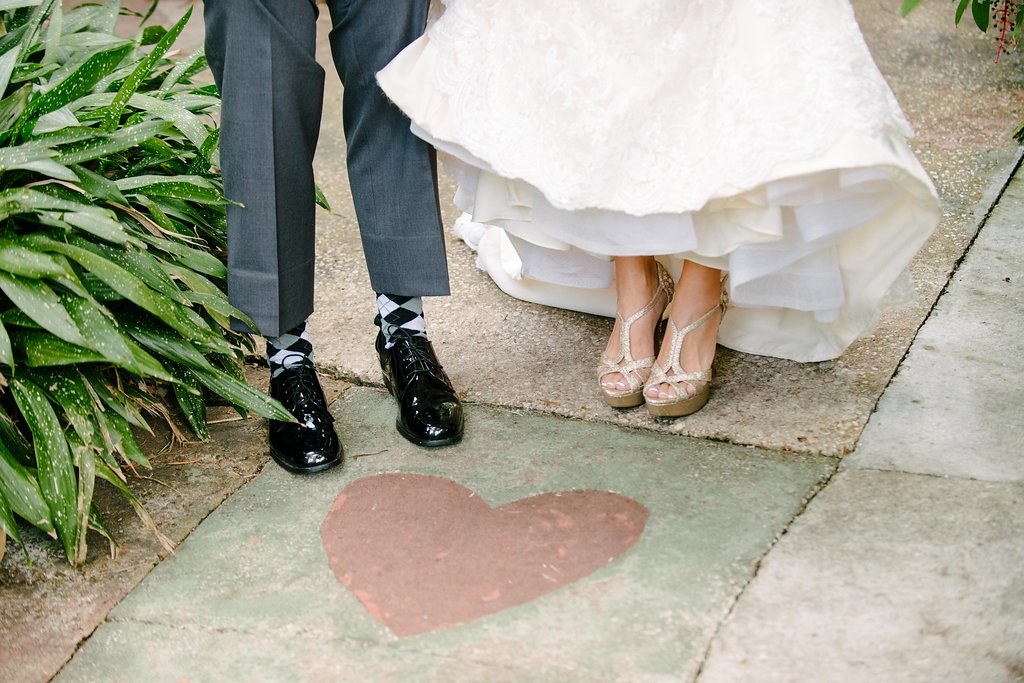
[
  {"x": 426, "y": 443},
  {"x": 687, "y": 406},
  {"x": 628, "y": 401},
  {"x": 412, "y": 438},
  {"x": 305, "y": 470}
]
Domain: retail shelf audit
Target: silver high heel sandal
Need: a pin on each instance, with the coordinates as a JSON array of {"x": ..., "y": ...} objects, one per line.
[
  {"x": 634, "y": 370},
  {"x": 683, "y": 403}
]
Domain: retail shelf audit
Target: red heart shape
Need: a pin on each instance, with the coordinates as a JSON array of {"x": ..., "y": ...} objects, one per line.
[{"x": 423, "y": 553}]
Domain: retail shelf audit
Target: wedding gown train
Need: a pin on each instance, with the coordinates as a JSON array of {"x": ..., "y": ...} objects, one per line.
[{"x": 755, "y": 136}]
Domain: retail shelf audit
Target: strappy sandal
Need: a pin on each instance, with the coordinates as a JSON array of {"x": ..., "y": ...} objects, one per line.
[
  {"x": 634, "y": 370},
  {"x": 683, "y": 403}
]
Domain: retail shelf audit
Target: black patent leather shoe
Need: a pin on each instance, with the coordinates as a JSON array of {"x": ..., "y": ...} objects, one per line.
[
  {"x": 429, "y": 412},
  {"x": 312, "y": 445}
]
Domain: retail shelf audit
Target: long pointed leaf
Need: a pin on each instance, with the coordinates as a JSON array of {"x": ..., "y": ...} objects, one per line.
[
  {"x": 86, "y": 462},
  {"x": 97, "y": 524},
  {"x": 194, "y": 259},
  {"x": 208, "y": 155},
  {"x": 171, "y": 346},
  {"x": 101, "y": 225},
  {"x": 16, "y": 155},
  {"x": 55, "y": 121},
  {"x": 120, "y": 404},
  {"x": 99, "y": 332},
  {"x": 21, "y": 489},
  {"x": 239, "y": 393},
  {"x": 57, "y": 480},
  {"x": 105, "y": 18},
  {"x": 15, "y": 442},
  {"x": 7, "y": 524},
  {"x": 142, "y": 71},
  {"x": 103, "y": 336},
  {"x": 20, "y": 201},
  {"x": 66, "y": 389},
  {"x": 89, "y": 40},
  {"x": 49, "y": 168},
  {"x": 39, "y": 303},
  {"x": 30, "y": 263},
  {"x": 182, "y": 319},
  {"x": 180, "y": 69},
  {"x": 42, "y": 349},
  {"x": 191, "y": 402},
  {"x": 980, "y": 10},
  {"x": 143, "y": 266},
  {"x": 13, "y": 106},
  {"x": 6, "y": 353},
  {"x": 53, "y": 35},
  {"x": 243, "y": 395},
  {"x": 98, "y": 185},
  {"x": 76, "y": 84},
  {"x": 127, "y": 445},
  {"x": 66, "y": 136},
  {"x": 42, "y": 10},
  {"x": 118, "y": 141},
  {"x": 189, "y": 188},
  {"x": 13, "y": 4},
  {"x": 185, "y": 121}
]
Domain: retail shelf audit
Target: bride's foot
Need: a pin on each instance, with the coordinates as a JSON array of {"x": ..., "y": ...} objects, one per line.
[
  {"x": 680, "y": 381},
  {"x": 644, "y": 290}
]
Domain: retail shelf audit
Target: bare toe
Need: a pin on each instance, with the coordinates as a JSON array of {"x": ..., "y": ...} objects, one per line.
[{"x": 614, "y": 381}]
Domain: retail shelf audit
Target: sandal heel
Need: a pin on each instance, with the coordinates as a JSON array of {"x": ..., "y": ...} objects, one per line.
[
  {"x": 683, "y": 403},
  {"x": 634, "y": 370}
]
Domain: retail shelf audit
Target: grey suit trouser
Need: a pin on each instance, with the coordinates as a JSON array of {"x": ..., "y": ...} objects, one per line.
[{"x": 262, "y": 53}]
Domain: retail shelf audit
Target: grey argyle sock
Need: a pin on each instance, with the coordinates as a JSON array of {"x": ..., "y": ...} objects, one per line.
[
  {"x": 400, "y": 315},
  {"x": 291, "y": 349}
]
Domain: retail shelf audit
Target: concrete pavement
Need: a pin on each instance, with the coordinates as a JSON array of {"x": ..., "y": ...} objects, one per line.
[
  {"x": 764, "y": 553},
  {"x": 909, "y": 566}
]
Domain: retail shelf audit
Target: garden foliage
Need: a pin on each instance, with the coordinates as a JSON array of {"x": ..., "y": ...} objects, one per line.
[{"x": 112, "y": 304}]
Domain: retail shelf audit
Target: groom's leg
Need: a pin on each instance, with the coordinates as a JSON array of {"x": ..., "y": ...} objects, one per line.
[
  {"x": 262, "y": 54},
  {"x": 391, "y": 171},
  {"x": 394, "y": 189}
]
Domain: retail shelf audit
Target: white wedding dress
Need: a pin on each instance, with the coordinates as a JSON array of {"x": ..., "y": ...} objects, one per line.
[{"x": 755, "y": 136}]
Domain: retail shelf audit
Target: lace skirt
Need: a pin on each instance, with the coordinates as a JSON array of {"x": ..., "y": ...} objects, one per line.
[{"x": 755, "y": 137}]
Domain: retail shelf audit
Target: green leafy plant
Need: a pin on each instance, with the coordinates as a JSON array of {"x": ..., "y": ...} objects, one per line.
[{"x": 112, "y": 233}]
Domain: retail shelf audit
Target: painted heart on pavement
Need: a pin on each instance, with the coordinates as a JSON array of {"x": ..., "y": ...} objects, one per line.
[{"x": 423, "y": 553}]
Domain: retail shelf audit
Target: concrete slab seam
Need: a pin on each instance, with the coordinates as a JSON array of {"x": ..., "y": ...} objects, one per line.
[
  {"x": 199, "y": 628},
  {"x": 821, "y": 486},
  {"x": 1016, "y": 168},
  {"x": 974, "y": 238},
  {"x": 928, "y": 475},
  {"x": 85, "y": 638},
  {"x": 160, "y": 558}
]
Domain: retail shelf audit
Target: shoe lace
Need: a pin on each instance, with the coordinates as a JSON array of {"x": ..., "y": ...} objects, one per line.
[
  {"x": 303, "y": 387},
  {"x": 416, "y": 357}
]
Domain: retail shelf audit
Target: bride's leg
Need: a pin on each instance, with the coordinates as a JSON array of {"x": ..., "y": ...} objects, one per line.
[
  {"x": 636, "y": 280},
  {"x": 697, "y": 292}
]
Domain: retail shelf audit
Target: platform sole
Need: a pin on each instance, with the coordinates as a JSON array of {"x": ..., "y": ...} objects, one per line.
[{"x": 679, "y": 408}]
